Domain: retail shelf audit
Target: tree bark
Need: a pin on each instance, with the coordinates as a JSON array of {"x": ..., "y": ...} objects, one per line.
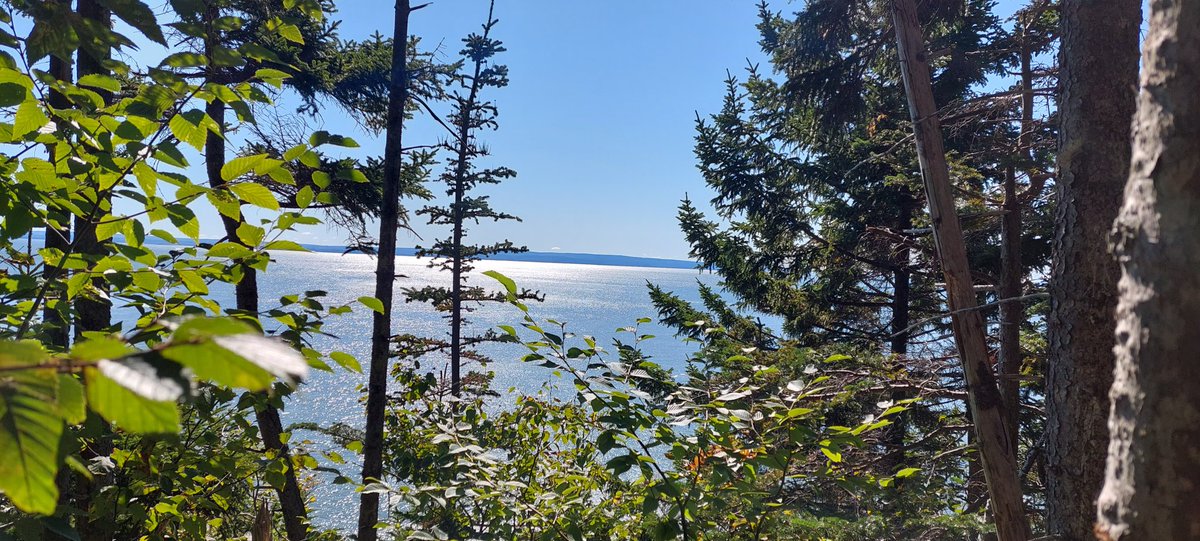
[
  {"x": 1098, "y": 85},
  {"x": 270, "y": 426},
  {"x": 1011, "y": 312},
  {"x": 995, "y": 446},
  {"x": 385, "y": 274},
  {"x": 93, "y": 314},
  {"x": 1152, "y": 480},
  {"x": 56, "y": 318}
]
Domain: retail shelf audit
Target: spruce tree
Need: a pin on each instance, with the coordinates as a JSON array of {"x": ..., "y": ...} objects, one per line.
[{"x": 471, "y": 114}]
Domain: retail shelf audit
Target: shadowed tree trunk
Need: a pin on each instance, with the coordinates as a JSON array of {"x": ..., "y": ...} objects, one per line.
[
  {"x": 1152, "y": 481},
  {"x": 94, "y": 314},
  {"x": 1098, "y": 85},
  {"x": 58, "y": 327},
  {"x": 995, "y": 447},
  {"x": 270, "y": 426},
  {"x": 385, "y": 274}
]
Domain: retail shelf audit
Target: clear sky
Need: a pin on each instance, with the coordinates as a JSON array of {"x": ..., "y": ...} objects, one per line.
[{"x": 598, "y": 119}]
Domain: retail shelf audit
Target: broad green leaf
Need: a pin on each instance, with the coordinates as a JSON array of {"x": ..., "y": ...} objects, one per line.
[
  {"x": 137, "y": 14},
  {"x": 507, "y": 282},
  {"x": 192, "y": 127},
  {"x": 29, "y": 118},
  {"x": 71, "y": 405},
  {"x": 285, "y": 245},
  {"x": 251, "y": 235},
  {"x": 346, "y": 360},
  {"x": 372, "y": 303},
  {"x": 103, "y": 82},
  {"x": 304, "y": 197},
  {"x": 231, "y": 353},
  {"x": 30, "y": 429},
  {"x": 193, "y": 281},
  {"x": 907, "y": 472},
  {"x": 235, "y": 168},
  {"x": 127, "y": 409},
  {"x": 108, "y": 226},
  {"x": 256, "y": 194}
]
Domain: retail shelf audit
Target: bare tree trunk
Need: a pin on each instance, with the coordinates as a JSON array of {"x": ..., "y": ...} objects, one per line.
[
  {"x": 1098, "y": 85},
  {"x": 1011, "y": 274},
  {"x": 385, "y": 274},
  {"x": 270, "y": 426},
  {"x": 995, "y": 446},
  {"x": 93, "y": 314},
  {"x": 58, "y": 327},
  {"x": 1152, "y": 480}
]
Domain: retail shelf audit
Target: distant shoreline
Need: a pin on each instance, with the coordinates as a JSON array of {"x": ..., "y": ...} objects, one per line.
[{"x": 532, "y": 257}]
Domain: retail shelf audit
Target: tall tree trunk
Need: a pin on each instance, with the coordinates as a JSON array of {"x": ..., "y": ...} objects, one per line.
[
  {"x": 58, "y": 324},
  {"x": 270, "y": 426},
  {"x": 995, "y": 446},
  {"x": 385, "y": 273},
  {"x": 901, "y": 298},
  {"x": 94, "y": 314},
  {"x": 1152, "y": 480},
  {"x": 1098, "y": 83},
  {"x": 463, "y": 151},
  {"x": 1011, "y": 312}
]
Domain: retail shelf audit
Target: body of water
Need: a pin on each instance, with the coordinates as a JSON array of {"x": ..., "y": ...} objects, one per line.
[{"x": 592, "y": 299}]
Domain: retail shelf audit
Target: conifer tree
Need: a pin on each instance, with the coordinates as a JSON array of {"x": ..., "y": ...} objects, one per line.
[{"x": 471, "y": 114}]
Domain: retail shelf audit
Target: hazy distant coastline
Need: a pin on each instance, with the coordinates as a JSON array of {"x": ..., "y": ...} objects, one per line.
[{"x": 535, "y": 257}]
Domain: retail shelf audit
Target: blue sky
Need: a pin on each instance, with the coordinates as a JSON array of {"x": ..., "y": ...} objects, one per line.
[{"x": 598, "y": 118}]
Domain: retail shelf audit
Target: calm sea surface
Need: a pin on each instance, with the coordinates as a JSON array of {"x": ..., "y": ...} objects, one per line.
[{"x": 592, "y": 299}]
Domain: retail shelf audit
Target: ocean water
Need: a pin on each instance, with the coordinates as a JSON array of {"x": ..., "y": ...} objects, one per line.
[{"x": 592, "y": 299}]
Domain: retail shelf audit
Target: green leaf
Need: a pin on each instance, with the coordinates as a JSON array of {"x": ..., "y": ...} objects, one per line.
[
  {"x": 907, "y": 472},
  {"x": 285, "y": 245},
  {"x": 71, "y": 405},
  {"x": 138, "y": 15},
  {"x": 193, "y": 281},
  {"x": 30, "y": 431},
  {"x": 127, "y": 409},
  {"x": 372, "y": 303},
  {"x": 507, "y": 282},
  {"x": 103, "y": 82},
  {"x": 108, "y": 226},
  {"x": 304, "y": 197},
  {"x": 241, "y": 165},
  {"x": 192, "y": 127},
  {"x": 29, "y": 118},
  {"x": 229, "y": 352},
  {"x": 256, "y": 194},
  {"x": 251, "y": 235},
  {"x": 346, "y": 360}
]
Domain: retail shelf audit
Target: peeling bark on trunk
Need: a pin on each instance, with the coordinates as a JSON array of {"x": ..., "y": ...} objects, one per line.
[
  {"x": 1098, "y": 85},
  {"x": 385, "y": 274},
  {"x": 995, "y": 447},
  {"x": 1152, "y": 481}
]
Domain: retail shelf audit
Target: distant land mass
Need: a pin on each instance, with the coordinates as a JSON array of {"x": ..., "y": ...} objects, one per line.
[
  {"x": 557, "y": 257},
  {"x": 533, "y": 257}
]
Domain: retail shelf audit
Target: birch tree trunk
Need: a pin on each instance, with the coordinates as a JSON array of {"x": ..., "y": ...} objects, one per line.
[
  {"x": 995, "y": 447},
  {"x": 1152, "y": 480}
]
